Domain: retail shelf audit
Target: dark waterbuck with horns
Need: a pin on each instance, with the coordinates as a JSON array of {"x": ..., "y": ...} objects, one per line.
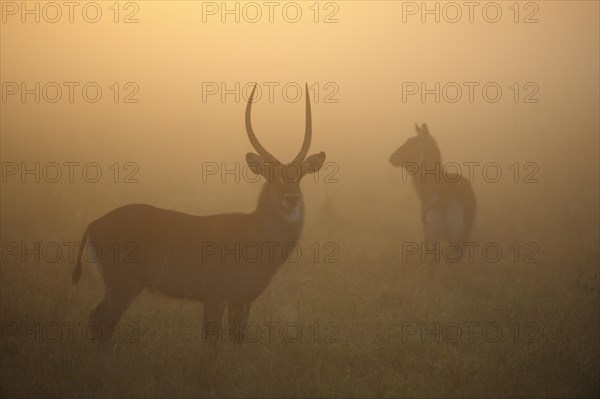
[
  {"x": 194, "y": 257},
  {"x": 448, "y": 205}
]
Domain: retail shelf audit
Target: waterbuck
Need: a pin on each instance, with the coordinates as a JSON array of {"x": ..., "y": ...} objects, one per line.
[
  {"x": 219, "y": 260},
  {"x": 448, "y": 204}
]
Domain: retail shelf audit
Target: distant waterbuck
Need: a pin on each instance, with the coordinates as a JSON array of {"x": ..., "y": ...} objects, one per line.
[
  {"x": 448, "y": 204},
  {"x": 197, "y": 257}
]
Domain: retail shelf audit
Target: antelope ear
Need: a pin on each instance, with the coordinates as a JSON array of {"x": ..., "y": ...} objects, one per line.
[
  {"x": 256, "y": 164},
  {"x": 313, "y": 163},
  {"x": 423, "y": 131}
]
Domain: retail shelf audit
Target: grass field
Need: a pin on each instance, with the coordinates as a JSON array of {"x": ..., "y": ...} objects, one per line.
[{"x": 369, "y": 307}]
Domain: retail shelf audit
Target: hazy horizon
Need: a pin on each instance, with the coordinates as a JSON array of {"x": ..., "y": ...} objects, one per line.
[{"x": 163, "y": 122}]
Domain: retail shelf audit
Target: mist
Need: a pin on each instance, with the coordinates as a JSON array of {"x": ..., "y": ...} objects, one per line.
[{"x": 146, "y": 106}]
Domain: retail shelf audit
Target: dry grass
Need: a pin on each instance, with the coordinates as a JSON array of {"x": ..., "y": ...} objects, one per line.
[{"x": 369, "y": 296}]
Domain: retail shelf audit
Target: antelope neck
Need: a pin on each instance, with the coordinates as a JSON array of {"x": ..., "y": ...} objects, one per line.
[
  {"x": 426, "y": 182},
  {"x": 273, "y": 223}
]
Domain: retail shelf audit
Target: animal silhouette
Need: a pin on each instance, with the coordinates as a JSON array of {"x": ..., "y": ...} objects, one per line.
[{"x": 201, "y": 258}]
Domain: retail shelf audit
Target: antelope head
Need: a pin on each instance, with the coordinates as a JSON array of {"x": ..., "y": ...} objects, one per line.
[
  {"x": 416, "y": 149},
  {"x": 283, "y": 180}
]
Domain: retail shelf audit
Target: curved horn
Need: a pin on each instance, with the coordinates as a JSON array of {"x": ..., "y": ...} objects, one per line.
[
  {"x": 253, "y": 140},
  {"x": 307, "y": 133}
]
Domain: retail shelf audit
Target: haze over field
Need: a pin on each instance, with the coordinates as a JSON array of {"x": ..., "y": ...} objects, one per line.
[{"x": 512, "y": 104}]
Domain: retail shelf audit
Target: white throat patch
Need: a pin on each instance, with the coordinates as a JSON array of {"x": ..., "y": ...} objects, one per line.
[{"x": 293, "y": 216}]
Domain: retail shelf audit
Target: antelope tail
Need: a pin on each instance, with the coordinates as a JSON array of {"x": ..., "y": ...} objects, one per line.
[{"x": 77, "y": 271}]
